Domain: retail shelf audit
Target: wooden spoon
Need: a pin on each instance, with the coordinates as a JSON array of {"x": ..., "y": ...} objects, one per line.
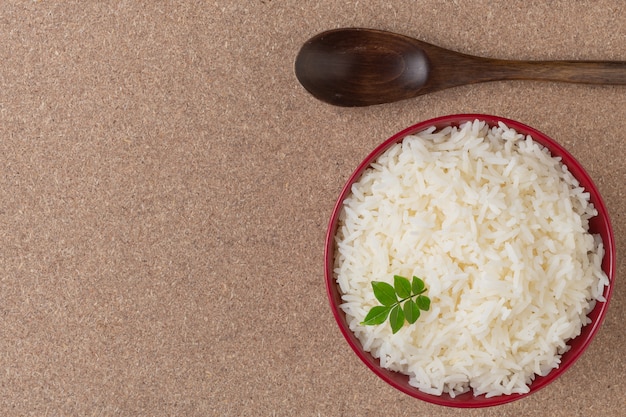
[{"x": 362, "y": 67}]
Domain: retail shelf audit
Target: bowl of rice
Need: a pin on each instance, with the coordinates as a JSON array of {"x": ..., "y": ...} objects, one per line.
[{"x": 512, "y": 240}]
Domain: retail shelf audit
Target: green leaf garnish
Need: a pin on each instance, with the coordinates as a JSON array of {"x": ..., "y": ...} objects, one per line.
[
  {"x": 384, "y": 293},
  {"x": 418, "y": 285},
  {"x": 377, "y": 315},
  {"x": 411, "y": 311},
  {"x": 398, "y": 303},
  {"x": 402, "y": 286},
  {"x": 396, "y": 318},
  {"x": 423, "y": 302}
]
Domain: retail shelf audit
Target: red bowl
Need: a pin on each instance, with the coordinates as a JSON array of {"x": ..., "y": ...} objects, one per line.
[{"x": 600, "y": 224}]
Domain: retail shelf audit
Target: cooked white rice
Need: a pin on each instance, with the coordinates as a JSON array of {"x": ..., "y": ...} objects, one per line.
[{"x": 498, "y": 230}]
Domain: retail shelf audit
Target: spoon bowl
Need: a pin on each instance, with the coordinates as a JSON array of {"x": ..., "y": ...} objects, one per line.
[{"x": 362, "y": 67}]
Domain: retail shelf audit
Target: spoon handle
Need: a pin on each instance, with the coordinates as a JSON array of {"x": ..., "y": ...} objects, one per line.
[
  {"x": 584, "y": 72},
  {"x": 480, "y": 69},
  {"x": 469, "y": 69}
]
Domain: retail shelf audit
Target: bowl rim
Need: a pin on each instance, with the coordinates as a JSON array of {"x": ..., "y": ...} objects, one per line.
[{"x": 599, "y": 224}]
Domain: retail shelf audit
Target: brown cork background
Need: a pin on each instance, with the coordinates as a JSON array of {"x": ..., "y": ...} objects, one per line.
[{"x": 165, "y": 186}]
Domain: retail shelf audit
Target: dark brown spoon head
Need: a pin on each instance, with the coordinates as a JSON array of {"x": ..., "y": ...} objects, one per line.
[{"x": 362, "y": 67}]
